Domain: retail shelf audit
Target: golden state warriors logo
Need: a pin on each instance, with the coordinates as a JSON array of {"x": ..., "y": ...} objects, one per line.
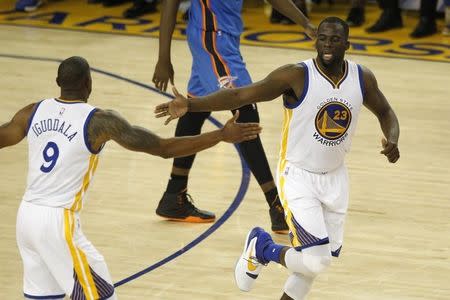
[{"x": 333, "y": 120}]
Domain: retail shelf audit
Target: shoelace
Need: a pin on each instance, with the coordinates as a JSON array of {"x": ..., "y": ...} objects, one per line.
[{"x": 185, "y": 198}]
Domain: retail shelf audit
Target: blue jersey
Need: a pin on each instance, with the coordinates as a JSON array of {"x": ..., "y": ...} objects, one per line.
[{"x": 216, "y": 15}]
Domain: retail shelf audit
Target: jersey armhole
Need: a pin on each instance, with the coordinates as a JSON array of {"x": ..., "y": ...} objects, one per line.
[
  {"x": 30, "y": 120},
  {"x": 85, "y": 133},
  {"x": 305, "y": 90},
  {"x": 361, "y": 80}
]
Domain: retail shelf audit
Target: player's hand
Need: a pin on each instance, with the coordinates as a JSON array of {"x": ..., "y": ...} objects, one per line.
[
  {"x": 176, "y": 108},
  {"x": 163, "y": 74},
  {"x": 311, "y": 31},
  {"x": 390, "y": 150},
  {"x": 239, "y": 132}
]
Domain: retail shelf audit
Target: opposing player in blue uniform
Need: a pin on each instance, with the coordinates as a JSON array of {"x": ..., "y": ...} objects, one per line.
[{"x": 213, "y": 35}]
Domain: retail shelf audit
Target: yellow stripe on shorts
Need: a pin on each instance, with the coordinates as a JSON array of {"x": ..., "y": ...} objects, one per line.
[{"x": 79, "y": 259}]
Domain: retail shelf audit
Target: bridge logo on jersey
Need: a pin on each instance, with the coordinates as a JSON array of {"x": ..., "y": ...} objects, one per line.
[
  {"x": 333, "y": 120},
  {"x": 226, "y": 82}
]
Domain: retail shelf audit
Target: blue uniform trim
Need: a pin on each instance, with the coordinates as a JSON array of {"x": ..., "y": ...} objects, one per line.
[
  {"x": 104, "y": 289},
  {"x": 361, "y": 80},
  {"x": 32, "y": 116},
  {"x": 85, "y": 133},
  {"x": 305, "y": 238},
  {"x": 44, "y": 297},
  {"x": 319, "y": 242},
  {"x": 305, "y": 90}
]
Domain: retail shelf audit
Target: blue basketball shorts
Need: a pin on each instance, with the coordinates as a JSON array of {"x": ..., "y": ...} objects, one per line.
[{"x": 216, "y": 62}]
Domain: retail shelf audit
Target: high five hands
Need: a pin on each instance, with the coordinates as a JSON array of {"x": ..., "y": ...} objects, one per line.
[
  {"x": 239, "y": 132},
  {"x": 232, "y": 132},
  {"x": 176, "y": 108}
]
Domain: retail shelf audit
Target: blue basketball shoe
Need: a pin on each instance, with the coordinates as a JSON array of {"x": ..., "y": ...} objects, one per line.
[{"x": 251, "y": 261}]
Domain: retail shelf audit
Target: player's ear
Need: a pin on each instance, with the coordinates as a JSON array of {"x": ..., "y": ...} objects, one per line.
[
  {"x": 57, "y": 81},
  {"x": 347, "y": 45}
]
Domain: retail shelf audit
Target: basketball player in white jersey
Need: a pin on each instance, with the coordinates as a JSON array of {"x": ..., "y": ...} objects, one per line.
[
  {"x": 65, "y": 137},
  {"x": 322, "y": 98}
]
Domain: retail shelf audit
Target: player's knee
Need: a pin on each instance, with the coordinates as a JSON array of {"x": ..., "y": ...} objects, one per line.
[
  {"x": 297, "y": 286},
  {"x": 248, "y": 114},
  {"x": 317, "y": 264}
]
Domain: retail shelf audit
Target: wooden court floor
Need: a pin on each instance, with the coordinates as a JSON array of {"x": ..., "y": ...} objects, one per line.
[{"x": 397, "y": 241}]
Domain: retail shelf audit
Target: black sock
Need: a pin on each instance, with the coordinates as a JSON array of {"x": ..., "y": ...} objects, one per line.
[
  {"x": 272, "y": 197},
  {"x": 177, "y": 184}
]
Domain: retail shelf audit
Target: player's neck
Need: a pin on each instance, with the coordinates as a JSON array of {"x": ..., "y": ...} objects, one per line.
[
  {"x": 333, "y": 70},
  {"x": 72, "y": 96}
]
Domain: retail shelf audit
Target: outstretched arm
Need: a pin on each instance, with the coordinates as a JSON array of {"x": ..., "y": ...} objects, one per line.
[
  {"x": 271, "y": 87},
  {"x": 164, "y": 69},
  {"x": 375, "y": 101},
  {"x": 290, "y": 10},
  {"x": 108, "y": 125},
  {"x": 283, "y": 79},
  {"x": 15, "y": 130}
]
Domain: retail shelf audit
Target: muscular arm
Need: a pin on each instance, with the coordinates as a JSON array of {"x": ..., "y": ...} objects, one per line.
[
  {"x": 275, "y": 84},
  {"x": 108, "y": 125},
  {"x": 375, "y": 101},
  {"x": 290, "y": 10},
  {"x": 14, "y": 131}
]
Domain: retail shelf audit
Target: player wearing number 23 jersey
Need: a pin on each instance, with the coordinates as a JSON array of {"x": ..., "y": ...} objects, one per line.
[{"x": 322, "y": 99}]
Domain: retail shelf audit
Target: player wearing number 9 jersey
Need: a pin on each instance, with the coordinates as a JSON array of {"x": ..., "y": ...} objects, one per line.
[
  {"x": 58, "y": 144},
  {"x": 65, "y": 136}
]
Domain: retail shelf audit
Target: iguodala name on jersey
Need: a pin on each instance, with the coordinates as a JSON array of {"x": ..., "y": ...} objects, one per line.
[{"x": 56, "y": 125}]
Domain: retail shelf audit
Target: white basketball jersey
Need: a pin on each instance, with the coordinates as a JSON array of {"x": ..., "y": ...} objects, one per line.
[
  {"x": 317, "y": 130},
  {"x": 61, "y": 164}
]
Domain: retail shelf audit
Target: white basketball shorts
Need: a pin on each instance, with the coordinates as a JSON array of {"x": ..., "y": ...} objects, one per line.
[
  {"x": 315, "y": 206},
  {"x": 57, "y": 258}
]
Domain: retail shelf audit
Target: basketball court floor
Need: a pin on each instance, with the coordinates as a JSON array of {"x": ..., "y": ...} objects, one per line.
[{"x": 396, "y": 244}]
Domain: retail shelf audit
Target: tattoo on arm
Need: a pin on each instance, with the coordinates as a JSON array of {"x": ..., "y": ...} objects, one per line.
[{"x": 108, "y": 125}]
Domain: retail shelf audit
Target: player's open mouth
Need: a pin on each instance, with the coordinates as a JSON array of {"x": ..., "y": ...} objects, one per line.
[{"x": 327, "y": 56}]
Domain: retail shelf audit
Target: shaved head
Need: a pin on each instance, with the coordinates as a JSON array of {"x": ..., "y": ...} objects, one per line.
[
  {"x": 336, "y": 20},
  {"x": 72, "y": 72},
  {"x": 74, "y": 77}
]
